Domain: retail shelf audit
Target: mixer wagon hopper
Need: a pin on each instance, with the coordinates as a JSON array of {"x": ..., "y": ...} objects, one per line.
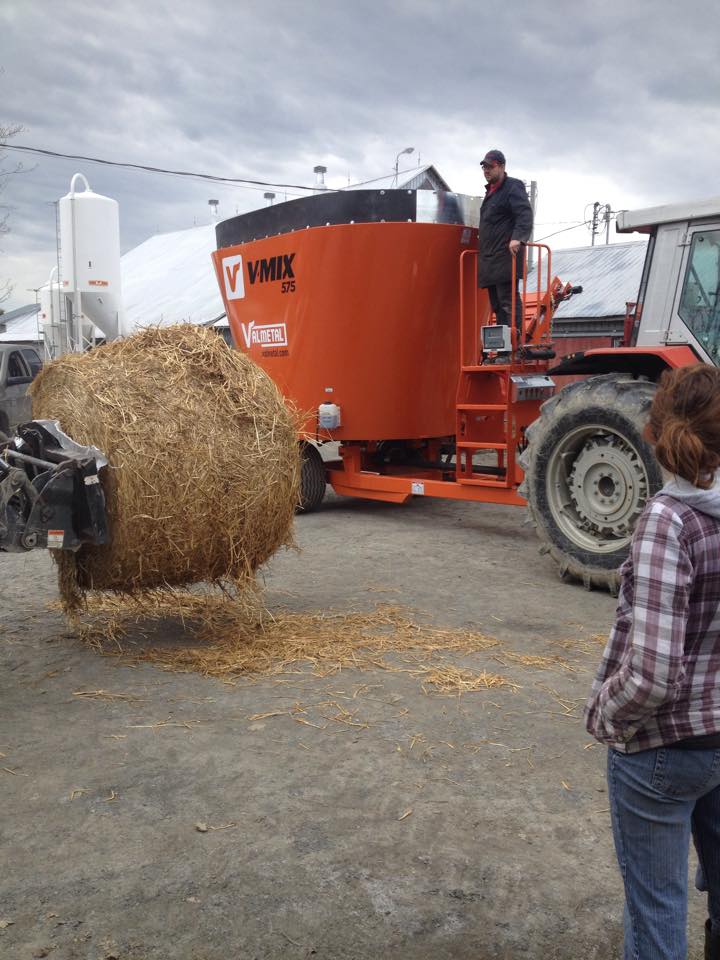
[{"x": 363, "y": 307}]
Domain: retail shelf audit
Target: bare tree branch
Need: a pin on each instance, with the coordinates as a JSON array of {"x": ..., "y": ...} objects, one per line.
[{"x": 7, "y": 131}]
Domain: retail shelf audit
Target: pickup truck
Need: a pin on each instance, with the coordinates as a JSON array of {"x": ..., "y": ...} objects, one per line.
[{"x": 19, "y": 364}]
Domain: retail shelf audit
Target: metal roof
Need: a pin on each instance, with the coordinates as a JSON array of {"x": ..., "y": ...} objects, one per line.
[
  {"x": 609, "y": 276},
  {"x": 21, "y": 325}
]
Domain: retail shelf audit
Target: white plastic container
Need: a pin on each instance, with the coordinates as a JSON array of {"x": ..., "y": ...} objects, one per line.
[{"x": 329, "y": 416}]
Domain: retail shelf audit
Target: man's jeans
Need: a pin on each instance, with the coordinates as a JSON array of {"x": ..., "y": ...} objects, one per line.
[{"x": 657, "y": 798}]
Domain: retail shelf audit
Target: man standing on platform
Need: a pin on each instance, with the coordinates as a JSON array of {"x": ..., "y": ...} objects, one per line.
[{"x": 506, "y": 223}]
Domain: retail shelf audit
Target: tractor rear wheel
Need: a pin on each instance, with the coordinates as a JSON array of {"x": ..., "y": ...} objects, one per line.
[
  {"x": 589, "y": 473},
  {"x": 312, "y": 478}
]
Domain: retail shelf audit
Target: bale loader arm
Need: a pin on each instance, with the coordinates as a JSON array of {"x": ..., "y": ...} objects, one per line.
[{"x": 50, "y": 491}]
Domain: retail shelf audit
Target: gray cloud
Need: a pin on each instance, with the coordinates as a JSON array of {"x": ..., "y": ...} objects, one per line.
[{"x": 624, "y": 95}]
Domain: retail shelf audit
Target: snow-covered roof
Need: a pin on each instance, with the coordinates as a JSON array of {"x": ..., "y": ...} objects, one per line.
[
  {"x": 421, "y": 178},
  {"x": 21, "y": 325},
  {"x": 609, "y": 275},
  {"x": 170, "y": 279}
]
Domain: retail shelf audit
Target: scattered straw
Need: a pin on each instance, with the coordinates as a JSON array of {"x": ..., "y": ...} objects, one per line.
[
  {"x": 289, "y": 643},
  {"x": 227, "y": 645},
  {"x": 106, "y": 695},
  {"x": 451, "y": 679},
  {"x": 539, "y": 663},
  {"x": 218, "y": 639}
]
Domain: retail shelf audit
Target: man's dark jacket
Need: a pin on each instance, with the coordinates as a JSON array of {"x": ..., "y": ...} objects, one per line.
[{"x": 505, "y": 215}]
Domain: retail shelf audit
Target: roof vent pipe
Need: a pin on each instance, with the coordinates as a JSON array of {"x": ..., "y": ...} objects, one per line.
[{"x": 320, "y": 172}]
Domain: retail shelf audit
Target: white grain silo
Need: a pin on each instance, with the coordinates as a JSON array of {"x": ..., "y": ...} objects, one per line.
[
  {"x": 90, "y": 264},
  {"x": 52, "y": 318}
]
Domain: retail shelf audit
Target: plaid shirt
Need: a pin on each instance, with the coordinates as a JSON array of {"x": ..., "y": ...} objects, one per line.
[{"x": 659, "y": 680}]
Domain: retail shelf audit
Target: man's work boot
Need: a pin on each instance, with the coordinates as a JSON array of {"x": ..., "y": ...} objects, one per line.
[{"x": 712, "y": 942}]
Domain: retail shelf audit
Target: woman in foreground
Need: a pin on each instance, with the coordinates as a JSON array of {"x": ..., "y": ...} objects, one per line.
[{"x": 656, "y": 697}]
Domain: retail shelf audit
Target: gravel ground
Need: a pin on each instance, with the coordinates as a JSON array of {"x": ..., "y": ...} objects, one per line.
[{"x": 472, "y": 826}]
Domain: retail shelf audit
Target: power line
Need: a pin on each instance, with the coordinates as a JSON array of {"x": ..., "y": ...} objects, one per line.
[
  {"x": 150, "y": 169},
  {"x": 581, "y": 223},
  {"x": 242, "y": 181},
  {"x": 547, "y": 223},
  {"x": 210, "y": 177}
]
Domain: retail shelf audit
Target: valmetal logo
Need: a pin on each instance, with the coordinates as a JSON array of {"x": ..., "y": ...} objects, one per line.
[
  {"x": 232, "y": 269},
  {"x": 264, "y": 335}
]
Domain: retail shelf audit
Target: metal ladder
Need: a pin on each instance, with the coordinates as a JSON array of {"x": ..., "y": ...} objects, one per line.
[{"x": 484, "y": 411}]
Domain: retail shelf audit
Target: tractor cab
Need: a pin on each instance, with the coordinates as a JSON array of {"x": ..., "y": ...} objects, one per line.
[{"x": 678, "y": 297}]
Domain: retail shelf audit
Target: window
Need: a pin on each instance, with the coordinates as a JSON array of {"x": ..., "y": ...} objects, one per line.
[
  {"x": 16, "y": 367},
  {"x": 33, "y": 361},
  {"x": 699, "y": 307}
]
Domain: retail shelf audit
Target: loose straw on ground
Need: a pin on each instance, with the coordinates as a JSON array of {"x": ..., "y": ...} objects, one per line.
[{"x": 227, "y": 646}]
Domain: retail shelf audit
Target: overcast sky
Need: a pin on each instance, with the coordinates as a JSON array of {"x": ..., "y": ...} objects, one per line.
[{"x": 616, "y": 101}]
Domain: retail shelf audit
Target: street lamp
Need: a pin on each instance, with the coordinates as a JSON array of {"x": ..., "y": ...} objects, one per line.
[{"x": 397, "y": 161}]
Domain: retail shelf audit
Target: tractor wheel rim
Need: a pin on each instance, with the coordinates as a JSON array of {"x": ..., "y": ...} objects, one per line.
[{"x": 597, "y": 486}]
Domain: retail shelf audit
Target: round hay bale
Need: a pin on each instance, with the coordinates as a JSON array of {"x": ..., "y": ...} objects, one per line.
[{"x": 204, "y": 459}]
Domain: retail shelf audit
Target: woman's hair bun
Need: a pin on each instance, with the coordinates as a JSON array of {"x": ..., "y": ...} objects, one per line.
[{"x": 684, "y": 423}]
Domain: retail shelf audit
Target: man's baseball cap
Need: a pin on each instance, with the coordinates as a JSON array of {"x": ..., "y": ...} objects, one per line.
[{"x": 493, "y": 156}]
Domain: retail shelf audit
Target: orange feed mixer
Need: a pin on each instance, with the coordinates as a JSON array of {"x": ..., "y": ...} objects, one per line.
[
  {"x": 363, "y": 307},
  {"x": 351, "y": 299}
]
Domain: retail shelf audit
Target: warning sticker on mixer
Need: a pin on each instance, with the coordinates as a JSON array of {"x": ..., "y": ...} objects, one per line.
[{"x": 56, "y": 538}]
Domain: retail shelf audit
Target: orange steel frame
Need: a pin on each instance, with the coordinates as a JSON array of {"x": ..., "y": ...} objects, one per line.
[{"x": 489, "y": 418}]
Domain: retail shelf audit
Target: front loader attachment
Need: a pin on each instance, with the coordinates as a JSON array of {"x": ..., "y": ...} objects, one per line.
[{"x": 50, "y": 491}]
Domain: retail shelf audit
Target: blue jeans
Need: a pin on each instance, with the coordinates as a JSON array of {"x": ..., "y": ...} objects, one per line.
[{"x": 658, "y": 798}]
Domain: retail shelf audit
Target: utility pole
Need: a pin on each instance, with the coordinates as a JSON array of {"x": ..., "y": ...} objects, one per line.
[
  {"x": 594, "y": 228},
  {"x": 602, "y": 213},
  {"x": 533, "y": 204},
  {"x": 608, "y": 212}
]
